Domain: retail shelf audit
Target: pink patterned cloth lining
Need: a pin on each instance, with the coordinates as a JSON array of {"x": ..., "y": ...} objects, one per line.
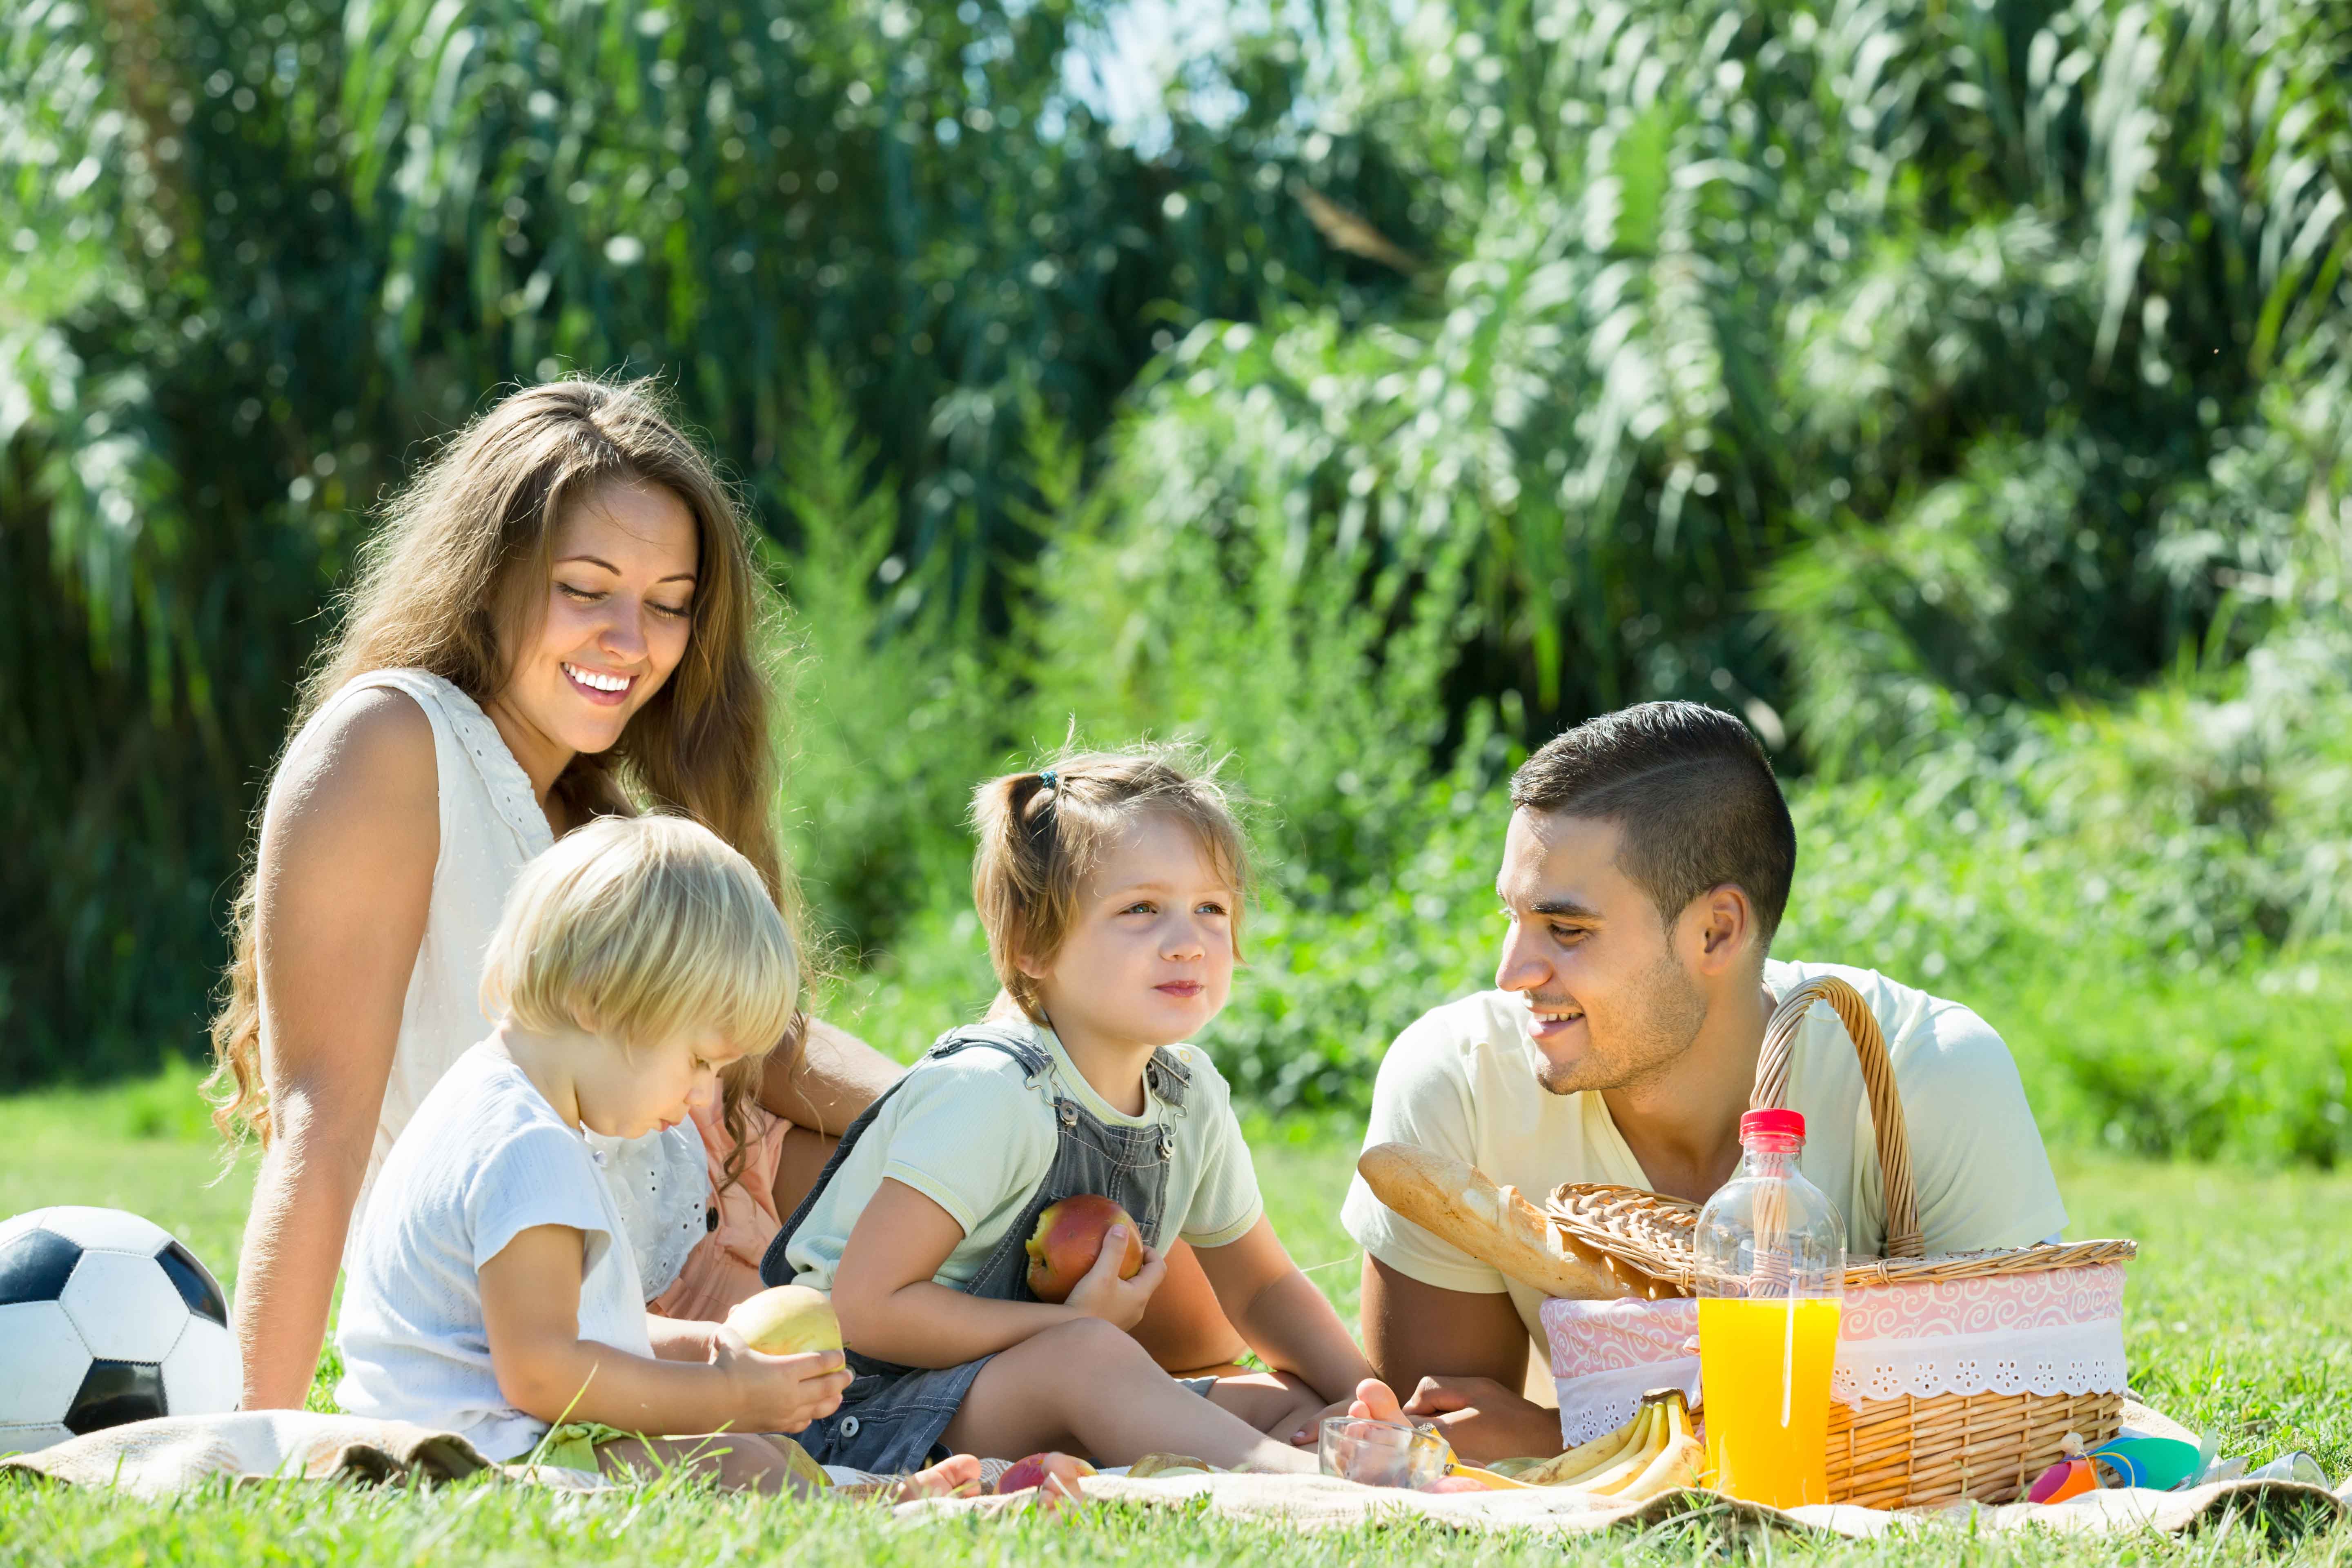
[
  {"x": 2047, "y": 1298},
  {"x": 1604, "y": 1336}
]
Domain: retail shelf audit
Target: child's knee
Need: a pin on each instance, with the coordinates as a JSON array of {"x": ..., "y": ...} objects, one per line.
[{"x": 1094, "y": 1347}]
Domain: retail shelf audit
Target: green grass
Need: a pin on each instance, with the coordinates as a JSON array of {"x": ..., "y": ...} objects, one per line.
[
  {"x": 2238, "y": 1320},
  {"x": 661, "y": 1527}
]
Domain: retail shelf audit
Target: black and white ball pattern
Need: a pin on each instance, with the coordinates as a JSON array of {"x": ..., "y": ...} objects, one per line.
[{"x": 105, "y": 1317}]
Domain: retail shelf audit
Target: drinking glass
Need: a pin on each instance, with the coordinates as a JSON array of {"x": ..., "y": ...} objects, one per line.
[{"x": 1382, "y": 1453}]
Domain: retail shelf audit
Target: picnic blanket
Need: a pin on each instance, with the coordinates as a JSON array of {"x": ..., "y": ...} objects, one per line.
[
  {"x": 1320, "y": 1503},
  {"x": 175, "y": 1454}
]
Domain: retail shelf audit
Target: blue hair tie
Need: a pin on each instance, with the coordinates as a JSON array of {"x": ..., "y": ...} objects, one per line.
[{"x": 1048, "y": 780}]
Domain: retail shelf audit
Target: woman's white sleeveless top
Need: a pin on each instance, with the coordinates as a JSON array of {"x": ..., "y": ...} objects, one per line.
[{"x": 491, "y": 825}]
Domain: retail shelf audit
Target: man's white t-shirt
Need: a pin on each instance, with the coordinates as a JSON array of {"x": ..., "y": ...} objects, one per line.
[
  {"x": 484, "y": 1159},
  {"x": 1462, "y": 1081}
]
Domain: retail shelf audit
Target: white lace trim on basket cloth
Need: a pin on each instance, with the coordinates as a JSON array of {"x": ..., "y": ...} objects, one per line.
[
  {"x": 1601, "y": 1402},
  {"x": 2081, "y": 1358},
  {"x": 2057, "y": 1331},
  {"x": 2077, "y": 1358}
]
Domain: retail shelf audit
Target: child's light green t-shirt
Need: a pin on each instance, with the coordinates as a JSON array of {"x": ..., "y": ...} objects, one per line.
[{"x": 971, "y": 1135}]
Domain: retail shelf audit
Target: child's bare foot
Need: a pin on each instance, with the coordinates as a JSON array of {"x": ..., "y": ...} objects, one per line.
[
  {"x": 956, "y": 1476},
  {"x": 1376, "y": 1401}
]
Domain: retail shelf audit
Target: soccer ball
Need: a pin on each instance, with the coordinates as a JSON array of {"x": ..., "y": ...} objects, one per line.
[{"x": 104, "y": 1319}]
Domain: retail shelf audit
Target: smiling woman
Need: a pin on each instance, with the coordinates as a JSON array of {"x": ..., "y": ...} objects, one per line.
[
  {"x": 619, "y": 606},
  {"x": 556, "y": 623}
]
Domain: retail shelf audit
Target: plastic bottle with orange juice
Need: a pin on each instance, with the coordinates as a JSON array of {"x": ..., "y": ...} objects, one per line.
[{"x": 1771, "y": 1284}]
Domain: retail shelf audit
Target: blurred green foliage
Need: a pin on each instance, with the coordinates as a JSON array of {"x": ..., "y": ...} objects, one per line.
[
  {"x": 255, "y": 257},
  {"x": 1957, "y": 391}
]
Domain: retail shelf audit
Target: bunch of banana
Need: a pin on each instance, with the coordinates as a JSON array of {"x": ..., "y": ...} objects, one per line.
[{"x": 1655, "y": 1452}]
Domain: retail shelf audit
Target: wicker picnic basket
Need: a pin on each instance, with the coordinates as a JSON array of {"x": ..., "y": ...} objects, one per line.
[{"x": 1904, "y": 1452}]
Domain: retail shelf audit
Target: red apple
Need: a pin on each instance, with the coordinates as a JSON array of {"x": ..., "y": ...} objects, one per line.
[
  {"x": 1057, "y": 1473},
  {"x": 1067, "y": 1240}
]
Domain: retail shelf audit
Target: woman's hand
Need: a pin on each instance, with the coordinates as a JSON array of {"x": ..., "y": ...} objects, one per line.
[
  {"x": 1101, "y": 1294},
  {"x": 778, "y": 1393}
]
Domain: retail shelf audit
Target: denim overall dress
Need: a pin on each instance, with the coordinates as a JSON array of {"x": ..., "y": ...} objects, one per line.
[{"x": 891, "y": 1417}]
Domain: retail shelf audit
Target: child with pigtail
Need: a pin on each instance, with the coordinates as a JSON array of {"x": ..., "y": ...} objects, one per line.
[{"x": 1111, "y": 889}]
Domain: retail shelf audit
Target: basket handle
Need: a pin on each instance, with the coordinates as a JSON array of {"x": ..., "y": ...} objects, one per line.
[{"x": 1903, "y": 1238}]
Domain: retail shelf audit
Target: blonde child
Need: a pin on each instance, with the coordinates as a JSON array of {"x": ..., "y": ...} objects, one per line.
[
  {"x": 1111, "y": 889},
  {"x": 492, "y": 1289}
]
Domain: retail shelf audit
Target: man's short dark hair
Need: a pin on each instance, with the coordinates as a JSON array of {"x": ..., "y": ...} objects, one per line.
[{"x": 1691, "y": 790}]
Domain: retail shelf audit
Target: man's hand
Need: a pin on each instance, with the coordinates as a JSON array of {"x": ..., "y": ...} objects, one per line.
[
  {"x": 1484, "y": 1420},
  {"x": 1464, "y": 1356},
  {"x": 1481, "y": 1418}
]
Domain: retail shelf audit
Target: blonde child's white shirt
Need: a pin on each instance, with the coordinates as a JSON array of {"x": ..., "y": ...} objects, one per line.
[
  {"x": 490, "y": 827},
  {"x": 1461, "y": 1081},
  {"x": 970, "y": 1133},
  {"x": 484, "y": 1159}
]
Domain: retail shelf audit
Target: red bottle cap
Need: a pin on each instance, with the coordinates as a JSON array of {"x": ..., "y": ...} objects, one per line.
[{"x": 1772, "y": 1124}]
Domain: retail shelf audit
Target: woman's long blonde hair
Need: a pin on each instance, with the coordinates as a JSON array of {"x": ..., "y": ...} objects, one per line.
[{"x": 459, "y": 564}]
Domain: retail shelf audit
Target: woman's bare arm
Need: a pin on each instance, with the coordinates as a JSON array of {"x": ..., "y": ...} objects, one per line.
[
  {"x": 825, "y": 1084},
  {"x": 345, "y": 881}
]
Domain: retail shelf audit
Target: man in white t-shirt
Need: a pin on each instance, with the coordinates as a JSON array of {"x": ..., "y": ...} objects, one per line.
[{"x": 1647, "y": 862}]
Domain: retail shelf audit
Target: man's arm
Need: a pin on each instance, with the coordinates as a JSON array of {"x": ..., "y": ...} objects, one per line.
[{"x": 1464, "y": 1355}]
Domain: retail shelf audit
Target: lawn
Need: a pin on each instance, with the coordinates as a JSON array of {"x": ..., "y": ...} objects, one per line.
[{"x": 2238, "y": 1320}]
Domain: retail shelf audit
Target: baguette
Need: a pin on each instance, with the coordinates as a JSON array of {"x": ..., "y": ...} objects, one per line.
[{"x": 1455, "y": 1201}]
